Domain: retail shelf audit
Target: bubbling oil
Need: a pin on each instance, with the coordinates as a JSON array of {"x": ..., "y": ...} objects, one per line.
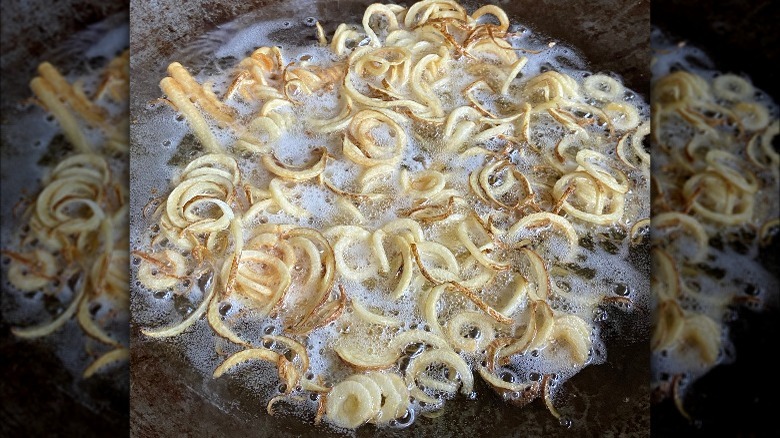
[{"x": 600, "y": 268}]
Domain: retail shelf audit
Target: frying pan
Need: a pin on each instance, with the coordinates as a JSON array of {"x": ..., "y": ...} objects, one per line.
[
  {"x": 739, "y": 37},
  {"x": 40, "y": 396},
  {"x": 170, "y": 398}
]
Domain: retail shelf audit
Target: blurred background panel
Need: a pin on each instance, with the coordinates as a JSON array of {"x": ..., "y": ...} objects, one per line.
[
  {"x": 738, "y": 398},
  {"x": 33, "y": 29},
  {"x": 39, "y": 395},
  {"x": 737, "y": 35}
]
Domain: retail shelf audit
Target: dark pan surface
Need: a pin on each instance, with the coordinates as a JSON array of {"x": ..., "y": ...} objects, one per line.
[{"x": 171, "y": 398}]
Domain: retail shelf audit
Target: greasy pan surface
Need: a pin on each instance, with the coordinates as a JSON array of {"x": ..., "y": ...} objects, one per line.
[
  {"x": 739, "y": 399},
  {"x": 40, "y": 397},
  {"x": 169, "y": 397}
]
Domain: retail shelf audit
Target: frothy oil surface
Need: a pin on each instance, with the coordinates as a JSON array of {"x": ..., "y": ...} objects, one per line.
[{"x": 601, "y": 267}]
